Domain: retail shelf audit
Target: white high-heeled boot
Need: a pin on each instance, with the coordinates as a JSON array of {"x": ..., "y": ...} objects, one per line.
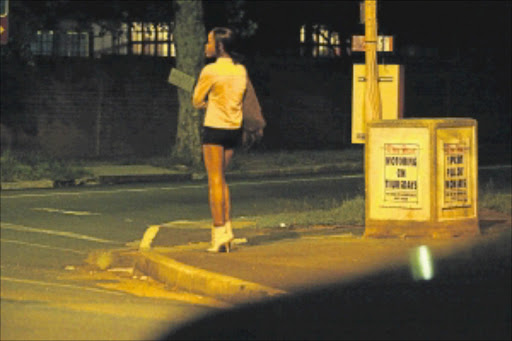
[
  {"x": 229, "y": 229},
  {"x": 221, "y": 240}
]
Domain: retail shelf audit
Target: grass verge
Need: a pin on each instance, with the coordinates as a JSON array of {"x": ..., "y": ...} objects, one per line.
[
  {"x": 22, "y": 166},
  {"x": 348, "y": 212},
  {"x": 495, "y": 199},
  {"x": 350, "y": 158},
  {"x": 352, "y": 211}
]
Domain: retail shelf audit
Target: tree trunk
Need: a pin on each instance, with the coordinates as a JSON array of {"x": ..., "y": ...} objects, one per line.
[{"x": 190, "y": 37}]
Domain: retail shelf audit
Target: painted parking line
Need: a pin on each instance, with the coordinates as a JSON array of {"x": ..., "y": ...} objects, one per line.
[
  {"x": 42, "y": 246},
  {"x": 58, "y": 285},
  {"x": 57, "y": 210},
  {"x": 8, "y": 226}
]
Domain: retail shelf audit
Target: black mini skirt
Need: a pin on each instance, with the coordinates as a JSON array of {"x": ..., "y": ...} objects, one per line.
[{"x": 228, "y": 138}]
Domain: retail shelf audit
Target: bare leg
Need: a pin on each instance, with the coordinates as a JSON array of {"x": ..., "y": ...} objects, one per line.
[
  {"x": 214, "y": 163},
  {"x": 228, "y": 155}
]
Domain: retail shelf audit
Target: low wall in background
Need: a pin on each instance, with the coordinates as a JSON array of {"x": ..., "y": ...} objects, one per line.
[{"x": 120, "y": 106}]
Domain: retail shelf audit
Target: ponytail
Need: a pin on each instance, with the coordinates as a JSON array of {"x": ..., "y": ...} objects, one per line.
[{"x": 228, "y": 39}]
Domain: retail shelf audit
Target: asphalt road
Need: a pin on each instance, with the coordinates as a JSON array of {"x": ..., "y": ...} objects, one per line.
[
  {"x": 44, "y": 233},
  {"x": 43, "y": 297},
  {"x": 120, "y": 214}
]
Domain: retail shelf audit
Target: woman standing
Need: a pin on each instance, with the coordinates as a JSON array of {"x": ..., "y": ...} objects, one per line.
[{"x": 220, "y": 90}]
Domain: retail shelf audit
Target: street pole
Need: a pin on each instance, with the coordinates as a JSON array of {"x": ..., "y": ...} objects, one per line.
[
  {"x": 372, "y": 101},
  {"x": 372, "y": 104}
]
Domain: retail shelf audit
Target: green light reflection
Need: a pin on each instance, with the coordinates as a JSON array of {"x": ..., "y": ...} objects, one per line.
[{"x": 422, "y": 264}]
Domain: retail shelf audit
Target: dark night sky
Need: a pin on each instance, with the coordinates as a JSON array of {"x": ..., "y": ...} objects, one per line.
[
  {"x": 432, "y": 23},
  {"x": 441, "y": 23},
  {"x": 428, "y": 23}
]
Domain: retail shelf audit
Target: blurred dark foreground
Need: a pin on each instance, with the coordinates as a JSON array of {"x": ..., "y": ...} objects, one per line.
[{"x": 468, "y": 298}]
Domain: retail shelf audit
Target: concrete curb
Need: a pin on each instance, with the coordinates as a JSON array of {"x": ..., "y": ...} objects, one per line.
[
  {"x": 287, "y": 171},
  {"x": 126, "y": 179},
  {"x": 199, "y": 281},
  {"x": 195, "y": 280},
  {"x": 176, "y": 177},
  {"x": 20, "y": 185}
]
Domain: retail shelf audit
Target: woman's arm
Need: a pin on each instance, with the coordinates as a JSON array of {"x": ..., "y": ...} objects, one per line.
[{"x": 201, "y": 90}]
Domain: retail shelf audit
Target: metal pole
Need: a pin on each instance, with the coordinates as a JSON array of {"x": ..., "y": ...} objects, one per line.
[{"x": 372, "y": 97}]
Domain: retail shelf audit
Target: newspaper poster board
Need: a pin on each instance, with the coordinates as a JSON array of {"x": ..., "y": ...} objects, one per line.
[
  {"x": 456, "y": 170},
  {"x": 401, "y": 174}
]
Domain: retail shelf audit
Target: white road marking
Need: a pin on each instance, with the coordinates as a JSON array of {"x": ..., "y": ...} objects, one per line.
[
  {"x": 56, "y": 210},
  {"x": 41, "y": 246},
  {"x": 73, "y": 235},
  {"x": 50, "y": 284}
]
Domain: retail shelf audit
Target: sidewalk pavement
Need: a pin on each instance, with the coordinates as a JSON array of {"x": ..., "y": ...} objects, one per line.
[{"x": 267, "y": 263}]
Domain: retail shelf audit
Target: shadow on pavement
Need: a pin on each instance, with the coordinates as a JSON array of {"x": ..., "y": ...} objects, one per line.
[{"x": 467, "y": 298}]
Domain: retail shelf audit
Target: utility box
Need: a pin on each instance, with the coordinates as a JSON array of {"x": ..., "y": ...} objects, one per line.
[
  {"x": 391, "y": 87},
  {"x": 421, "y": 178}
]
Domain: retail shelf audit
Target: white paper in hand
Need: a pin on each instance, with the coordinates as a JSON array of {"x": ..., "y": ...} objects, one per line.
[{"x": 181, "y": 80}]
